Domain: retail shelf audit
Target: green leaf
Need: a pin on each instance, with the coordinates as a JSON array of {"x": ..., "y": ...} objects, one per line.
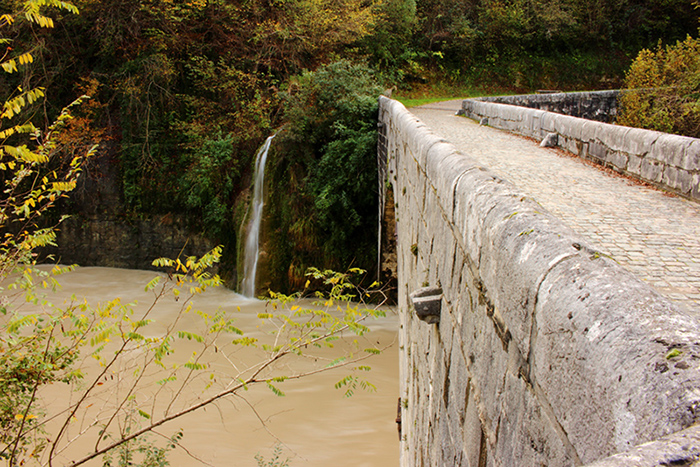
[
  {"x": 274, "y": 389},
  {"x": 245, "y": 341},
  {"x": 190, "y": 336},
  {"x": 153, "y": 283},
  {"x": 336, "y": 362}
]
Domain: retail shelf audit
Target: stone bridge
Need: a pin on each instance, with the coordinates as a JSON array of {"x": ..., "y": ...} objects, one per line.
[{"x": 537, "y": 328}]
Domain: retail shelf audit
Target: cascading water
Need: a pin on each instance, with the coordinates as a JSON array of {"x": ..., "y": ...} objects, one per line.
[{"x": 250, "y": 264}]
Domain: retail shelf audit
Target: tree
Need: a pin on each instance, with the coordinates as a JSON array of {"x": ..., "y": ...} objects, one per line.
[
  {"x": 663, "y": 87},
  {"x": 107, "y": 405},
  {"x": 42, "y": 344},
  {"x": 31, "y": 183},
  {"x": 323, "y": 182}
]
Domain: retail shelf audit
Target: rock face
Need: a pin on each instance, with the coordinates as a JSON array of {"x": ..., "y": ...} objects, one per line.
[
  {"x": 101, "y": 233},
  {"x": 546, "y": 352},
  {"x": 111, "y": 241}
]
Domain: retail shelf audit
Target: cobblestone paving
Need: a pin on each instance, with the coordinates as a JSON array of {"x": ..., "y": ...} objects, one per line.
[{"x": 653, "y": 234}]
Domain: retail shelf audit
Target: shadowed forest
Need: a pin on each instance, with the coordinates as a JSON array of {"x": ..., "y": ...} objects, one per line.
[{"x": 182, "y": 93}]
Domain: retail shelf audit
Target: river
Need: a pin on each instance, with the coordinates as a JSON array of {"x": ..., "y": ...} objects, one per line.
[{"x": 314, "y": 423}]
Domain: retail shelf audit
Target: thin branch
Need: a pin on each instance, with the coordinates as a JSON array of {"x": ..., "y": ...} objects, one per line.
[
  {"x": 267, "y": 429},
  {"x": 33, "y": 396},
  {"x": 92, "y": 386},
  {"x": 232, "y": 391},
  {"x": 187, "y": 451},
  {"x": 179, "y": 414},
  {"x": 123, "y": 402}
]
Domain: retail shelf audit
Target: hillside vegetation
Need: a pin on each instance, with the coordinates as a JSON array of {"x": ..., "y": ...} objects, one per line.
[
  {"x": 664, "y": 89},
  {"x": 183, "y": 92}
]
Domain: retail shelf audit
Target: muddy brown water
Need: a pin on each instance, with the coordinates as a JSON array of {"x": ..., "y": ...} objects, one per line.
[{"x": 314, "y": 424}]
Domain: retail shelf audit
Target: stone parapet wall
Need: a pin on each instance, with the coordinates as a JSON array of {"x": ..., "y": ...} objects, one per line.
[
  {"x": 597, "y": 105},
  {"x": 546, "y": 351},
  {"x": 670, "y": 162}
]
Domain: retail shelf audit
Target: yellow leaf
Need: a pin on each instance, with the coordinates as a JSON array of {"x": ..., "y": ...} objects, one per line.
[
  {"x": 25, "y": 58},
  {"x": 20, "y": 416}
]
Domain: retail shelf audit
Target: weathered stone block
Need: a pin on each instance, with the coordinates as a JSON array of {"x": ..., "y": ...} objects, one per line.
[
  {"x": 589, "y": 129},
  {"x": 447, "y": 253},
  {"x": 600, "y": 356},
  {"x": 651, "y": 170},
  {"x": 472, "y": 200},
  {"x": 678, "y": 179},
  {"x": 691, "y": 162},
  {"x": 615, "y": 137},
  {"x": 695, "y": 190},
  {"x": 444, "y": 166},
  {"x": 639, "y": 142},
  {"x": 488, "y": 363},
  {"x": 427, "y": 303},
  {"x": 634, "y": 164},
  {"x": 467, "y": 307},
  {"x": 473, "y": 439},
  {"x": 548, "y": 122},
  {"x": 598, "y": 151},
  {"x": 527, "y": 437},
  {"x": 569, "y": 126},
  {"x": 521, "y": 245},
  {"x": 572, "y": 145},
  {"x": 670, "y": 149},
  {"x": 530, "y": 119},
  {"x": 618, "y": 160}
]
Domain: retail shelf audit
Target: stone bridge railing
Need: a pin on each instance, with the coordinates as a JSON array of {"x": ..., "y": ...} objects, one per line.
[
  {"x": 598, "y": 105},
  {"x": 667, "y": 161},
  {"x": 536, "y": 349}
]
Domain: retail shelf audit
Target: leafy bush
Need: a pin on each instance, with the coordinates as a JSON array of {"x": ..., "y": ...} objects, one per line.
[
  {"x": 323, "y": 182},
  {"x": 208, "y": 181},
  {"x": 664, "y": 90},
  {"x": 335, "y": 110}
]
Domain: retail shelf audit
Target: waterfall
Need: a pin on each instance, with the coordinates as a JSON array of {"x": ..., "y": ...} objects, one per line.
[{"x": 252, "y": 241}]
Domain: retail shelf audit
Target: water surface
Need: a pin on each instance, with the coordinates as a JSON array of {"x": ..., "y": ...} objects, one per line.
[{"x": 314, "y": 423}]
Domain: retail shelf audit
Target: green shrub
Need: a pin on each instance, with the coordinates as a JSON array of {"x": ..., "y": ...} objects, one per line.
[
  {"x": 323, "y": 176},
  {"x": 664, "y": 90},
  {"x": 207, "y": 182}
]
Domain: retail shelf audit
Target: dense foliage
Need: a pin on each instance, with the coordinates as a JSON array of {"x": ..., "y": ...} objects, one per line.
[
  {"x": 184, "y": 91},
  {"x": 664, "y": 91},
  {"x": 323, "y": 179},
  {"x": 553, "y": 44}
]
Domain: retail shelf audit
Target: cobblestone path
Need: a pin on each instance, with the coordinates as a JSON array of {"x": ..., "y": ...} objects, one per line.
[{"x": 653, "y": 234}]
